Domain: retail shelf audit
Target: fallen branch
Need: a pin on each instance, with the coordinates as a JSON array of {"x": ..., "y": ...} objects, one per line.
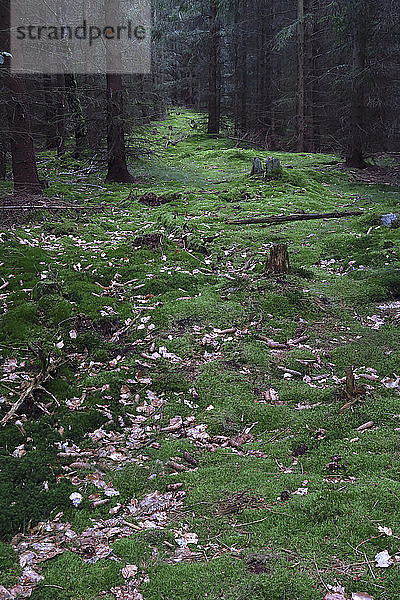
[
  {"x": 47, "y": 207},
  {"x": 244, "y": 141},
  {"x": 35, "y": 384},
  {"x": 276, "y": 219}
]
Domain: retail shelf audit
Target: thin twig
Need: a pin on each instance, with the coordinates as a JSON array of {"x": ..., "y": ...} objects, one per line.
[
  {"x": 369, "y": 566},
  {"x": 319, "y": 574},
  {"x": 264, "y": 519}
]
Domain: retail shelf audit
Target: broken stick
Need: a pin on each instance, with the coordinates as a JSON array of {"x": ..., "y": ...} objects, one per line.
[{"x": 35, "y": 384}]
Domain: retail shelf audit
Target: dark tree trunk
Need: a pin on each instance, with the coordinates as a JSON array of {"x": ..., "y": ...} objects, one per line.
[
  {"x": 76, "y": 113},
  {"x": 261, "y": 120},
  {"x": 22, "y": 151},
  {"x": 355, "y": 155},
  {"x": 213, "y": 78},
  {"x": 243, "y": 77},
  {"x": 309, "y": 62},
  {"x": 305, "y": 76},
  {"x": 60, "y": 114},
  {"x": 49, "y": 102},
  {"x": 4, "y": 145},
  {"x": 3, "y": 163},
  {"x": 236, "y": 74},
  {"x": 21, "y": 142},
  {"x": 301, "y": 125},
  {"x": 117, "y": 167},
  {"x": 25, "y": 173}
]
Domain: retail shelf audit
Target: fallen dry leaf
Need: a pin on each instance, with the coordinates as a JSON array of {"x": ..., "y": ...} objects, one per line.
[
  {"x": 335, "y": 596},
  {"x": 129, "y": 571},
  {"x": 385, "y": 530},
  {"x": 383, "y": 559}
]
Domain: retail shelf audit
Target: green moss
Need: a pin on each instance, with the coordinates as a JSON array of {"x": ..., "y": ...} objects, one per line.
[
  {"x": 9, "y": 566},
  {"x": 209, "y": 275}
]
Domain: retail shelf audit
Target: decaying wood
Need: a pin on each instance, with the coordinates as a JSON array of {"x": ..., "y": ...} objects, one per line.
[
  {"x": 172, "y": 464},
  {"x": 272, "y": 344},
  {"x": 276, "y": 219},
  {"x": 35, "y": 384},
  {"x": 48, "y": 207},
  {"x": 282, "y": 346},
  {"x": 365, "y": 426},
  {"x": 352, "y": 392},
  {"x": 299, "y": 340},
  {"x": 278, "y": 262},
  {"x": 190, "y": 459},
  {"x": 256, "y": 167},
  {"x": 273, "y": 168}
]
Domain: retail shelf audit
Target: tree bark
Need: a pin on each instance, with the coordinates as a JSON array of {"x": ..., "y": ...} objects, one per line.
[
  {"x": 276, "y": 219},
  {"x": 305, "y": 76},
  {"x": 50, "y": 129},
  {"x": 242, "y": 65},
  {"x": 300, "y": 77},
  {"x": 17, "y": 107},
  {"x": 117, "y": 167},
  {"x": 76, "y": 113},
  {"x": 60, "y": 114},
  {"x": 4, "y": 145},
  {"x": 355, "y": 154},
  {"x": 3, "y": 164},
  {"x": 309, "y": 59},
  {"x": 213, "y": 78},
  {"x": 278, "y": 262}
]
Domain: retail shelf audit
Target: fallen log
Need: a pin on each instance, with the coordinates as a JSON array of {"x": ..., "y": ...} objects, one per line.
[{"x": 276, "y": 219}]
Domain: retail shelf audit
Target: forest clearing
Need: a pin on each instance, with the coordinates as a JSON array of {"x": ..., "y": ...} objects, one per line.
[
  {"x": 199, "y": 300},
  {"x": 177, "y": 422}
]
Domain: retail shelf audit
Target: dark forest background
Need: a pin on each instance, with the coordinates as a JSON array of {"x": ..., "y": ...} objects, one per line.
[{"x": 293, "y": 75}]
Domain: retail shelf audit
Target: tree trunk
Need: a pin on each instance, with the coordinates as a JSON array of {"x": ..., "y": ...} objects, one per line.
[
  {"x": 243, "y": 76},
  {"x": 309, "y": 62},
  {"x": 76, "y": 113},
  {"x": 355, "y": 155},
  {"x": 21, "y": 142},
  {"x": 4, "y": 145},
  {"x": 301, "y": 125},
  {"x": 117, "y": 167},
  {"x": 50, "y": 129},
  {"x": 213, "y": 78},
  {"x": 60, "y": 114},
  {"x": 305, "y": 76},
  {"x": 236, "y": 74},
  {"x": 264, "y": 72},
  {"x": 3, "y": 164}
]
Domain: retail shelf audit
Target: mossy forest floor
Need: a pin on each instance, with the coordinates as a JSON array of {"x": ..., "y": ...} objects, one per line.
[{"x": 205, "y": 464}]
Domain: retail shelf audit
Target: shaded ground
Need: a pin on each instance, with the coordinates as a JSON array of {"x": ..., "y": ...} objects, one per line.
[
  {"x": 189, "y": 443},
  {"x": 20, "y": 208}
]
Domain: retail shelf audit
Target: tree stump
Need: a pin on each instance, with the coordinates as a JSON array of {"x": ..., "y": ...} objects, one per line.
[
  {"x": 278, "y": 262},
  {"x": 256, "y": 167},
  {"x": 273, "y": 168},
  {"x": 352, "y": 392}
]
